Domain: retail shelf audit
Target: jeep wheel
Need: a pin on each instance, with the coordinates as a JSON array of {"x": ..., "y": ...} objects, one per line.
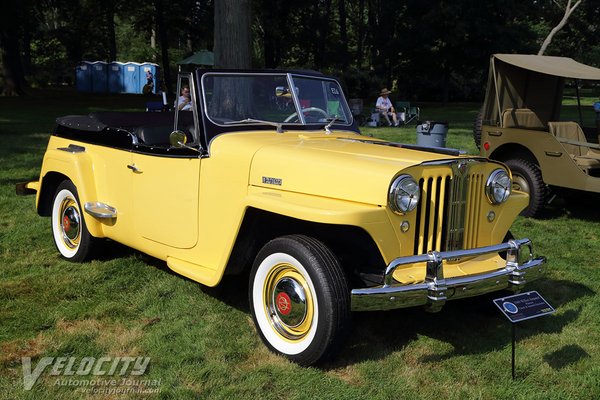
[
  {"x": 299, "y": 299},
  {"x": 527, "y": 178},
  {"x": 70, "y": 233}
]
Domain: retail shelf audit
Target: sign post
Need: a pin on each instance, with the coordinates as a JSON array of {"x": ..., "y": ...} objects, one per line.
[{"x": 521, "y": 307}]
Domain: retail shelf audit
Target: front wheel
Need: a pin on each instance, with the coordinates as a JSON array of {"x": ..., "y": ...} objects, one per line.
[
  {"x": 527, "y": 178},
  {"x": 299, "y": 299},
  {"x": 71, "y": 237}
]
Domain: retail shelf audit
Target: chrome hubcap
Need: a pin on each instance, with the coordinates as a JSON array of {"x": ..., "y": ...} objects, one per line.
[
  {"x": 70, "y": 223},
  {"x": 289, "y": 300},
  {"x": 520, "y": 183}
]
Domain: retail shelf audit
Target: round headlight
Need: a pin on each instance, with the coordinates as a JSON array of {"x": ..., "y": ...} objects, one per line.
[
  {"x": 498, "y": 186},
  {"x": 404, "y": 194}
]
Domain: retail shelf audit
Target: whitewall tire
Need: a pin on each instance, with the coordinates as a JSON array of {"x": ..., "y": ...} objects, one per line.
[
  {"x": 299, "y": 299},
  {"x": 71, "y": 237}
]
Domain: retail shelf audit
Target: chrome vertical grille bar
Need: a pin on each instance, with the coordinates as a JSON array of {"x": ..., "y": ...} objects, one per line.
[
  {"x": 477, "y": 189},
  {"x": 457, "y": 205},
  {"x": 447, "y": 217}
]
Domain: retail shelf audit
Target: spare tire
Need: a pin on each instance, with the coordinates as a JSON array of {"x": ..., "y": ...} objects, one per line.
[{"x": 478, "y": 123}]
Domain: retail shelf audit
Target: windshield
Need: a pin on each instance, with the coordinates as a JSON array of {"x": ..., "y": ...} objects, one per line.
[{"x": 269, "y": 98}]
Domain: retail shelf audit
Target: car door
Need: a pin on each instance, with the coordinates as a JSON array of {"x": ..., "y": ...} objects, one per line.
[
  {"x": 166, "y": 182},
  {"x": 166, "y": 198}
]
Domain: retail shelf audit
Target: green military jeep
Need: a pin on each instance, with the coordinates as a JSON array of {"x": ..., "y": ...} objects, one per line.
[{"x": 526, "y": 124}]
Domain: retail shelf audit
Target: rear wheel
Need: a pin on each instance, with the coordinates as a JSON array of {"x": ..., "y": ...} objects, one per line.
[
  {"x": 71, "y": 237},
  {"x": 527, "y": 178},
  {"x": 299, "y": 299}
]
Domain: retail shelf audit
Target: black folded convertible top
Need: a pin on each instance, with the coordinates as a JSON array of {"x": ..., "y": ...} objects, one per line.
[
  {"x": 81, "y": 122},
  {"x": 97, "y": 122}
]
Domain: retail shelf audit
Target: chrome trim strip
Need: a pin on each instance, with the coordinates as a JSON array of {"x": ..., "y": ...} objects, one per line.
[
  {"x": 100, "y": 210},
  {"x": 436, "y": 289}
]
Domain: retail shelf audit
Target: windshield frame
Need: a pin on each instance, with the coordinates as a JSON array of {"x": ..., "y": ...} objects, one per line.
[{"x": 289, "y": 77}]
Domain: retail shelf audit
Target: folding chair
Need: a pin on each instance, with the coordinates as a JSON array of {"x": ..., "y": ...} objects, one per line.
[
  {"x": 407, "y": 113},
  {"x": 356, "y": 107}
]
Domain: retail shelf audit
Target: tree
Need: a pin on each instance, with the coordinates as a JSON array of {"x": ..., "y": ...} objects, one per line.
[
  {"x": 232, "y": 34},
  {"x": 11, "y": 21},
  {"x": 568, "y": 11},
  {"x": 232, "y": 50}
]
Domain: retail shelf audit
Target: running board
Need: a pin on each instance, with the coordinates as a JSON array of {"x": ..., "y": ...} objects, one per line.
[{"x": 100, "y": 210}]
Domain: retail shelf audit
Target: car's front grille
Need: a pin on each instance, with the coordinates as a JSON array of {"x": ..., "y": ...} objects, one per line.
[{"x": 448, "y": 213}]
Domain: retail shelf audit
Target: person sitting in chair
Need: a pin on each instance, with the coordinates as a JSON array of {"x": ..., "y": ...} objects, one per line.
[
  {"x": 184, "y": 102},
  {"x": 384, "y": 107}
]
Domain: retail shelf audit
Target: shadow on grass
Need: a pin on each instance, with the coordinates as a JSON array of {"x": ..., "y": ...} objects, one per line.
[
  {"x": 470, "y": 326},
  {"x": 565, "y": 356},
  {"x": 573, "y": 204}
]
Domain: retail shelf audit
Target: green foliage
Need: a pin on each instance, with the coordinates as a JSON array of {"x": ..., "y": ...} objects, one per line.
[
  {"x": 428, "y": 50},
  {"x": 133, "y": 43}
]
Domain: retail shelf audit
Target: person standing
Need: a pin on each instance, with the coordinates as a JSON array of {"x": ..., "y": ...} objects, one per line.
[{"x": 384, "y": 107}]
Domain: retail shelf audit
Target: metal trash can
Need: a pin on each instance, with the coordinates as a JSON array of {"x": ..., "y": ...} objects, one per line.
[{"x": 432, "y": 134}]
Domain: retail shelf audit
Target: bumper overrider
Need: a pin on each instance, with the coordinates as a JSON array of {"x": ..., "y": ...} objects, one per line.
[{"x": 521, "y": 267}]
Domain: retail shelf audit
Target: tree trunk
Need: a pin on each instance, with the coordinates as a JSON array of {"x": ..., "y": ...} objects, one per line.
[
  {"x": 232, "y": 50},
  {"x": 110, "y": 26},
  {"x": 323, "y": 29},
  {"x": 568, "y": 11},
  {"x": 11, "y": 20},
  {"x": 361, "y": 34},
  {"x": 343, "y": 32},
  {"x": 232, "y": 34},
  {"x": 164, "y": 43}
]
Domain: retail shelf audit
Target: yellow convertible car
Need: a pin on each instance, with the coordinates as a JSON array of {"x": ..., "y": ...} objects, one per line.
[{"x": 267, "y": 172}]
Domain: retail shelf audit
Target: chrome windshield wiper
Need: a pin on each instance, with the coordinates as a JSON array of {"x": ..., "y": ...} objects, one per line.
[
  {"x": 331, "y": 122},
  {"x": 257, "y": 121}
]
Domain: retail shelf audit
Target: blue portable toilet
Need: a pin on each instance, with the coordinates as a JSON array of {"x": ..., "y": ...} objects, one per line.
[
  {"x": 143, "y": 79},
  {"x": 115, "y": 77},
  {"x": 83, "y": 76},
  {"x": 131, "y": 77},
  {"x": 99, "y": 77}
]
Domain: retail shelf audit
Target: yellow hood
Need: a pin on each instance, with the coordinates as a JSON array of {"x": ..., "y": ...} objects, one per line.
[{"x": 346, "y": 167}]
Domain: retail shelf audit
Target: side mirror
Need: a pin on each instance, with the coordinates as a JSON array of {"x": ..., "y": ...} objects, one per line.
[
  {"x": 177, "y": 139},
  {"x": 281, "y": 91}
]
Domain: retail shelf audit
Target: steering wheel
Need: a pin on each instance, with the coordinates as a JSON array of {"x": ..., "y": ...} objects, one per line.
[{"x": 305, "y": 111}]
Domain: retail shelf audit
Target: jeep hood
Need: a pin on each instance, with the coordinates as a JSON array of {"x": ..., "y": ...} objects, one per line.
[{"x": 353, "y": 168}]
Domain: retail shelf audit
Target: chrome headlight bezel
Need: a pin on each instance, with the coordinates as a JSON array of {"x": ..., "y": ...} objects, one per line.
[
  {"x": 498, "y": 186},
  {"x": 404, "y": 194}
]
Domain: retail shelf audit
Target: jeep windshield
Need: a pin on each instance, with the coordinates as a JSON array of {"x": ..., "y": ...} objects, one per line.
[{"x": 272, "y": 99}]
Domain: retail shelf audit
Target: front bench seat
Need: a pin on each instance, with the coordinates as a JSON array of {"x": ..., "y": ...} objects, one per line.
[
  {"x": 155, "y": 135},
  {"x": 158, "y": 135},
  {"x": 586, "y": 155}
]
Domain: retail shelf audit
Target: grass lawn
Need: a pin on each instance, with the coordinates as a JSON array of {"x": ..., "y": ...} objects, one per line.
[{"x": 202, "y": 342}]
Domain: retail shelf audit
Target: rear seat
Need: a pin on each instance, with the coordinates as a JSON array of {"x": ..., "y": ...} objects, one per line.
[
  {"x": 521, "y": 118},
  {"x": 585, "y": 154}
]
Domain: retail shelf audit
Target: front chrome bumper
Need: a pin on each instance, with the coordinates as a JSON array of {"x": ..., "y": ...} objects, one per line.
[{"x": 521, "y": 267}]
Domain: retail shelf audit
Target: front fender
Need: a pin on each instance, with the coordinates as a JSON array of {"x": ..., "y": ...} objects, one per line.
[{"x": 372, "y": 218}]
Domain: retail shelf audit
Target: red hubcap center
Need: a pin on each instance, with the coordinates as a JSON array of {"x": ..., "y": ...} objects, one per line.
[
  {"x": 66, "y": 223},
  {"x": 284, "y": 303}
]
